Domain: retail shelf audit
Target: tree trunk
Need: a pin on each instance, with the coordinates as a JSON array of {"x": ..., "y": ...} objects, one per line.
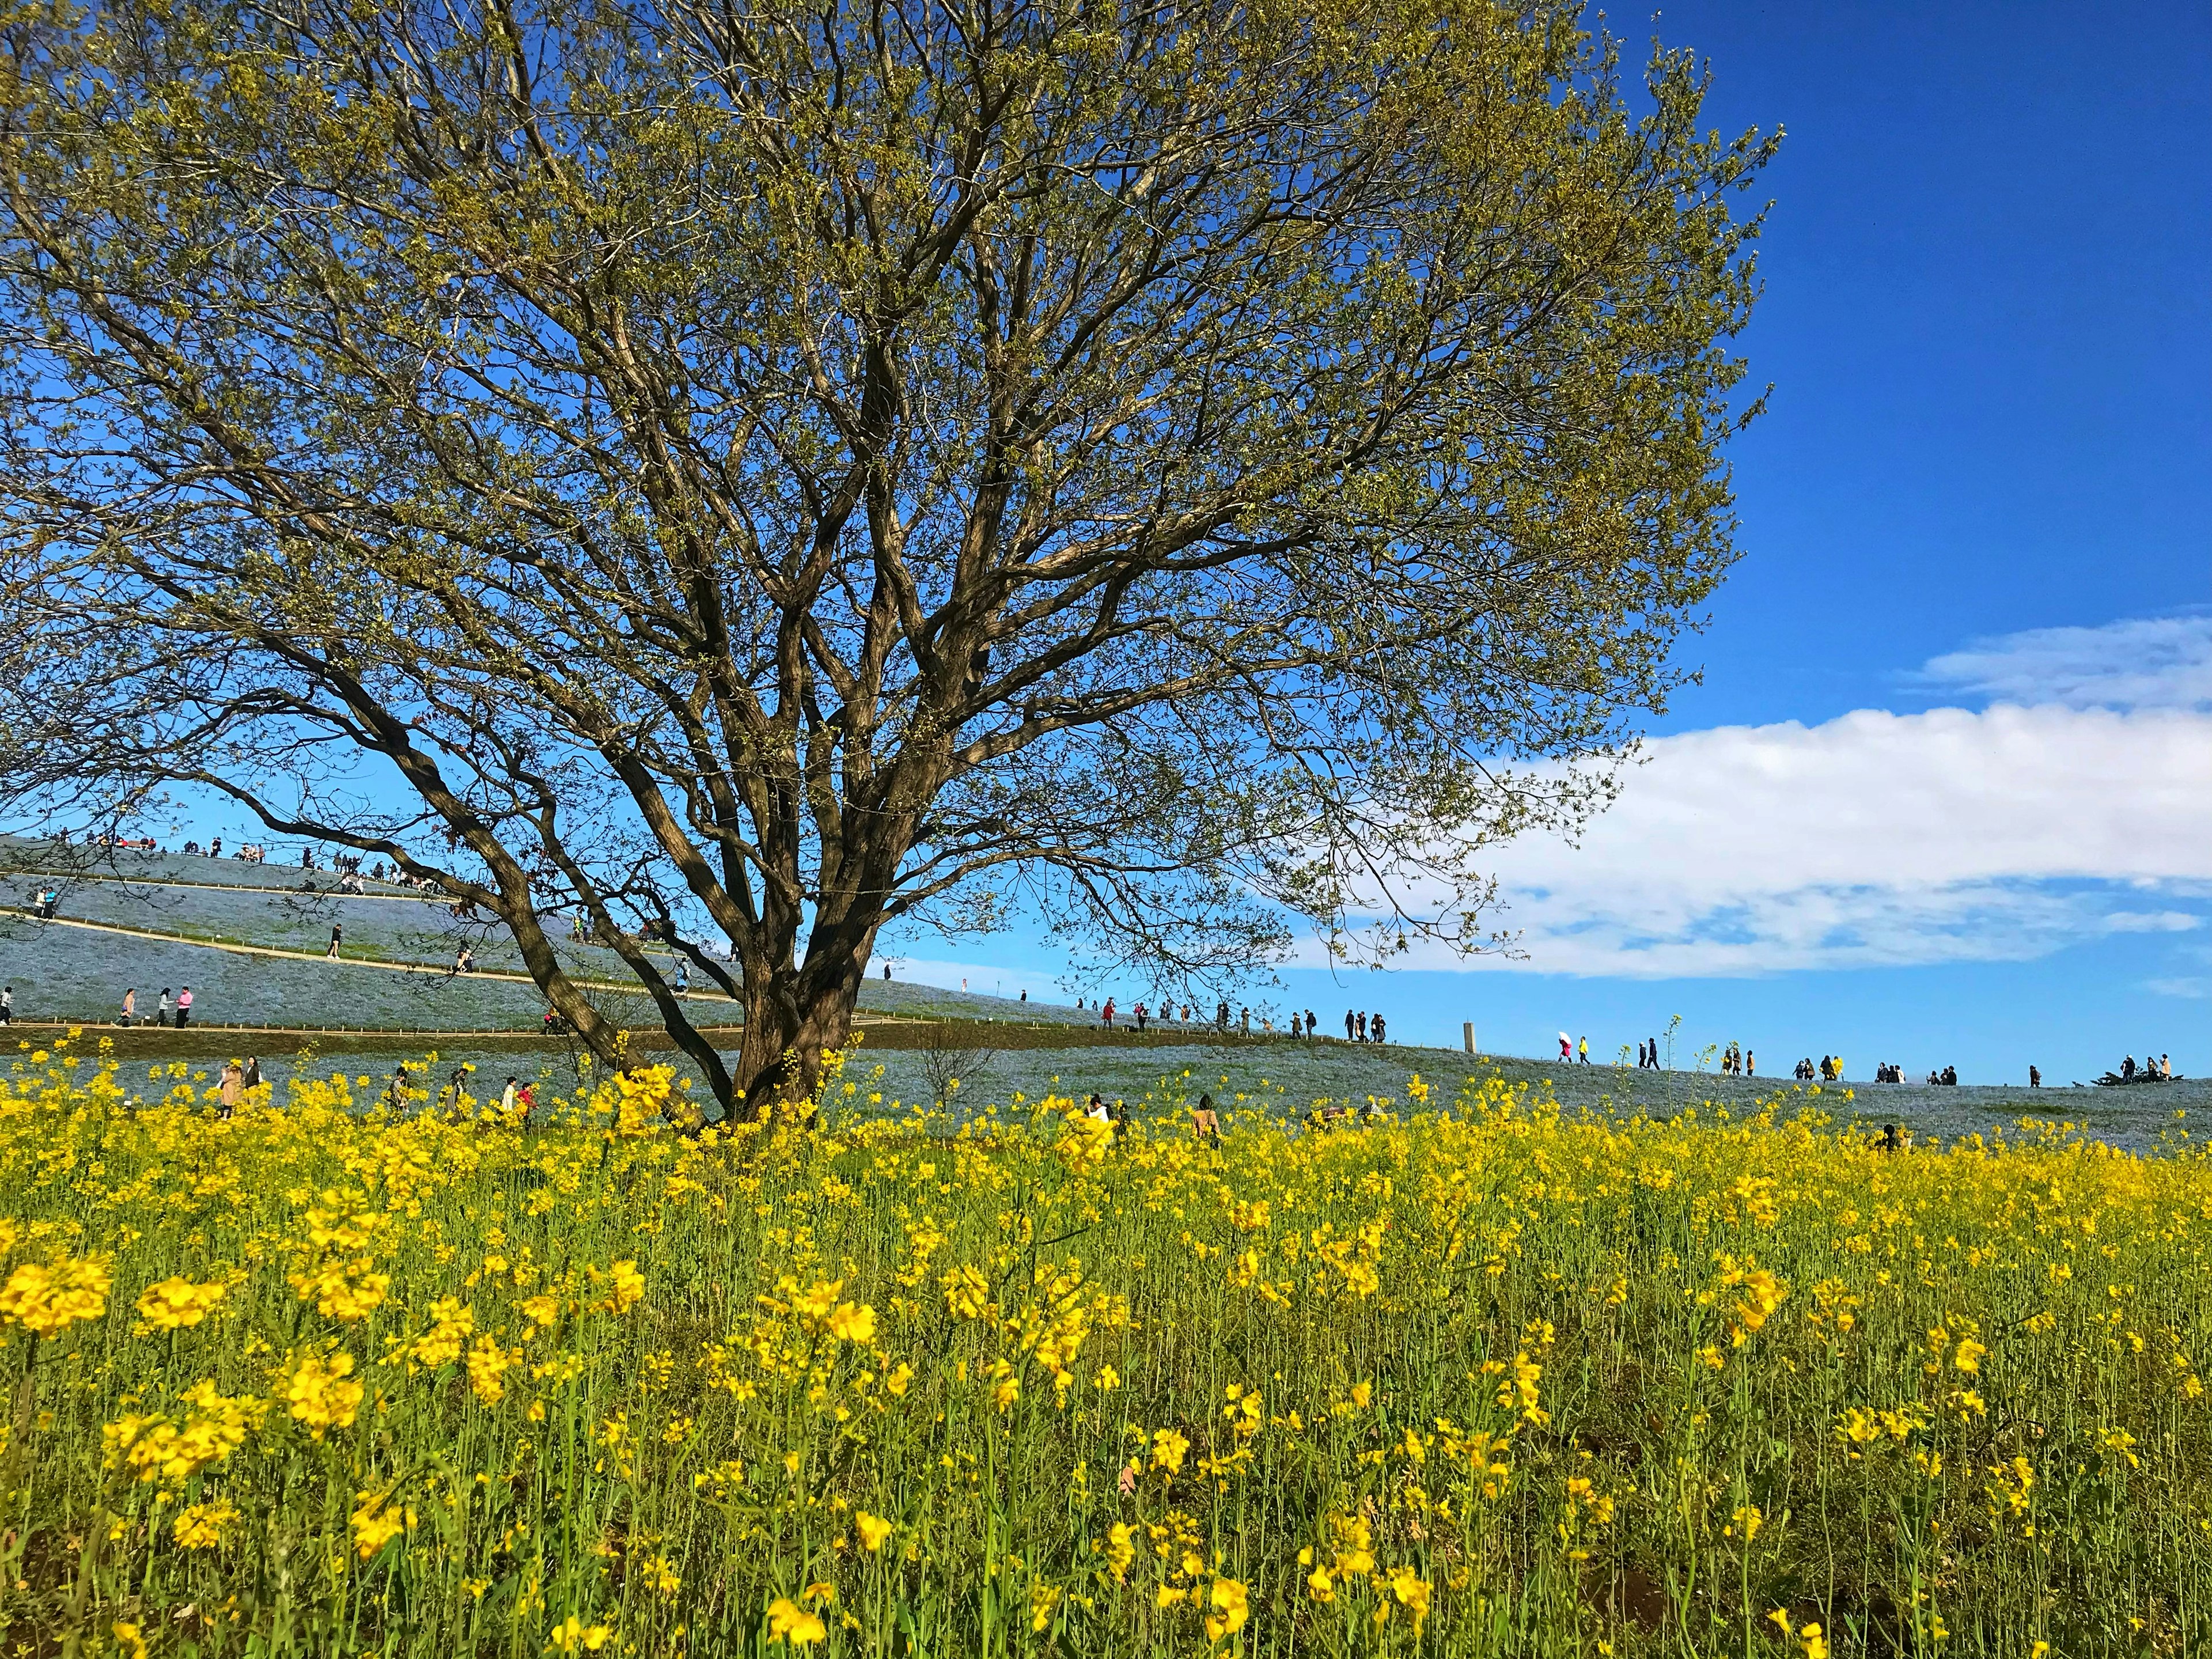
[{"x": 794, "y": 1015}]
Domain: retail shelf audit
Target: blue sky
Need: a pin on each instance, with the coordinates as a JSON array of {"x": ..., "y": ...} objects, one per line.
[{"x": 1944, "y": 795}]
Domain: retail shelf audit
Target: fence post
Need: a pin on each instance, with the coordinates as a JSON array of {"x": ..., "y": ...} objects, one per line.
[{"x": 1467, "y": 1029}]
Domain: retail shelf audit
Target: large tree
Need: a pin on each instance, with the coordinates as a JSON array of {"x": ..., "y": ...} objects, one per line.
[{"x": 778, "y": 470}]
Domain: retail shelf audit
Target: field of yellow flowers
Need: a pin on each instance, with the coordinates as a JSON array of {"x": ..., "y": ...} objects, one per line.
[{"x": 1469, "y": 1377}]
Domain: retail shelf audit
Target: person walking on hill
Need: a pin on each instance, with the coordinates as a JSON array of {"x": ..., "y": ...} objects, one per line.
[
  {"x": 1750, "y": 1064},
  {"x": 162, "y": 1008},
  {"x": 7, "y": 1005},
  {"x": 1582, "y": 1052},
  {"x": 1374, "y": 1025},
  {"x": 1245, "y": 1016},
  {"x": 252, "y": 1073},
  {"x": 233, "y": 1084},
  {"x": 129, "y": 1008},
  {"x": 1348, "y": 1020},
  {"x": 1566, "y": 1049},
  {"x": 183, "y": 1006},
  {"x": 337, "y": 938}
]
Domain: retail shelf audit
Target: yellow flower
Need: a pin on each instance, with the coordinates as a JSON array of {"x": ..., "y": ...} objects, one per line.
[
  {"x": 1413, "y": 1592},
  {"x": 376, "y": 1522},
  {"x": 625, "y": 1286},
  {"x": 967, "y": 1293},
  {"x": 1044, "y": 1599},
  {"x": 852, "y": 1324},
  {"x": 46, "y": 1301},
  {"x": 1816, "y": 1645},
  {"x": 789, "y": 1622},
  {"x": 344, "y": 1290},
  {"x": 573, "y": 1635},
  {"x": 200, "y": 1526},
  {"x": 1969, "y": 1358},
  {"x": 1231, "y": 1608},
  {"x": 873, "y": 1529},
  {"x": 322, "y": 1394},
  {"x": 159, "y": 1448},
  {"x": 541, "y": 1310},
  {"x": 1121, "y": 1551},
  {"x": 1167, "y": 1450},
  {"x": 451, "y": 1322},
  {"x": 129, "y": 1638},
  {"x": 176, "y": 1303},
  {"x": 487, "y": 1361}
]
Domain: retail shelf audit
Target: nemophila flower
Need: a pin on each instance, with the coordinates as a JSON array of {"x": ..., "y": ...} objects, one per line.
[
  {"x": 175, "y": 1303},
  {"x": 201, "y": 1526},
  {"x": 322, "y": 1394},
  {"x": 47, "y": 1300}
]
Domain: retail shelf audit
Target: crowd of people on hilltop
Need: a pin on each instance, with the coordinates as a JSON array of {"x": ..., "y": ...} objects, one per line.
[
  {"x": 2160, "y": 1069},
  {"x": 1358, "y": 1026}
]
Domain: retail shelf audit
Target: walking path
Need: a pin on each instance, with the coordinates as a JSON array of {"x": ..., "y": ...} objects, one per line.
[
  {"x": 696, "y": 995},
  {"x": 302, "y": 891}
]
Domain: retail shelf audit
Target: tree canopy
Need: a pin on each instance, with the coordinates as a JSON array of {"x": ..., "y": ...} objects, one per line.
[{"x": 776, "y": 472}]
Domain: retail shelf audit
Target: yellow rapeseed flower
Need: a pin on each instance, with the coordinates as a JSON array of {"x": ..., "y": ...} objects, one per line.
[
  {"x": 47, "y": 1300},
  {"x": 175, "y": 1303},
  {"x": 573, "y": 1635},
  {"x": 376, "y": 1522},
  {"x": 201, "y": 1526},
  {"x": 790, "y": 1623},
  {"x": 1231, "y": 1608},
  {"x": 322, "y": 1392},
  {"x": 873, "y": 1531}
]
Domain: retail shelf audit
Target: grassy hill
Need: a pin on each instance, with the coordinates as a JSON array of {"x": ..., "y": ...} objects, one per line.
[{"x": 71, "y": 973}]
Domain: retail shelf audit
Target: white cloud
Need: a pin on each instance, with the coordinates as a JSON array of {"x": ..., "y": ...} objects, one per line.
[
  {"x": 2072, "y": 808},
  {"x": 2155, "y": 662}
]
